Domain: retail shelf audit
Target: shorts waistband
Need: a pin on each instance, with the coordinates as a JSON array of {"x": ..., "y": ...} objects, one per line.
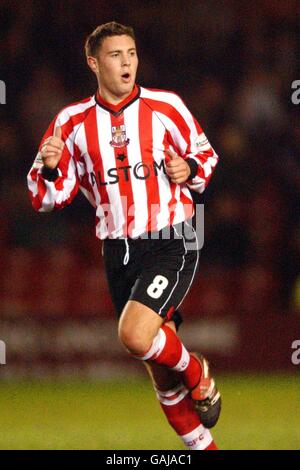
[{"x": 171, "y": 231}]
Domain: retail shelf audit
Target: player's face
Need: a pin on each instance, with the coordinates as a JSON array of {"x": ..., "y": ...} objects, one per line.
[{"x": 117, "y": 63}]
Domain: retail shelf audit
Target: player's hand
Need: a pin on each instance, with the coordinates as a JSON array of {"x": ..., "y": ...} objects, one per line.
[
  {"x": 52, "y": 149},
  {"x": 177, "y": 169}
]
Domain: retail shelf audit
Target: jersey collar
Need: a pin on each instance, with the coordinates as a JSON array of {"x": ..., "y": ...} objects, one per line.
[{"x": 117, "y": 109}]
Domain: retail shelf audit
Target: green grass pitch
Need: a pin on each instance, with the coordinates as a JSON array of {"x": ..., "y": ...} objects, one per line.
[{"x": 259, "y": 412}]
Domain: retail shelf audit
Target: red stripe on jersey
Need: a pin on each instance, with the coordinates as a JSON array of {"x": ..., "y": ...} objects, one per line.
[
  {"x": 188, "y": 205},
  {"x": 68, "y": 127},
  {"x": 125, "y": 186},
  {"x": 171, "y": 141},
  {"x": 146, "y": 144},
  {"x": 91, "y": 133},
  {"x": 42, "y": 189},
  {"x": 172, "y": 202},
  {"x": 34, "y": 174},
  {"x": 168, "y": 110},
  {"x": 197, "y": 125}
]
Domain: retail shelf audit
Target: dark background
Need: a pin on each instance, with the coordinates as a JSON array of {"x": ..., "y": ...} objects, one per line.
[{"x": 233, "y": 62}]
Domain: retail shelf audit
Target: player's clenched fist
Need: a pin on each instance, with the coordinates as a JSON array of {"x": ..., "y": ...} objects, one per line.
[
  {"x": 177, "y": 169},
  {"x": 52, "y": 148}
]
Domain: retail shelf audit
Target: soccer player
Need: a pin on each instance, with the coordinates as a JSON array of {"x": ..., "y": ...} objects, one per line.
[{"x": 135, "y": 153}]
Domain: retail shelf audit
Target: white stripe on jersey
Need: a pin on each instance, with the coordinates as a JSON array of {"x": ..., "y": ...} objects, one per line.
[
  {"x": 72, "y": 110},
  {"x": 139, "y": 190}
]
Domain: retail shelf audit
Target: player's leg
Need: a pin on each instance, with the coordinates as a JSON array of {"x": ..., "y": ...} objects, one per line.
[
  {"x": 129, "y": 282},
  {"x": 162, "y": 377},
  {"x": 146, "y": 337},
  {"x": 179, "y": 410},
  {"x": 168, "y": 268},
  {"x": 144, "y": 334},
  {"x": 178, "y": 406}
]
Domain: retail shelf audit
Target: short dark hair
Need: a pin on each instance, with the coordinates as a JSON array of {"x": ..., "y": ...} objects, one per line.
[{"x": 96, "y": 38}]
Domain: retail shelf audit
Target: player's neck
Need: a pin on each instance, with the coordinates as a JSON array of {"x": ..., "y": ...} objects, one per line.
[
  {"x": 111, "y": 98},
  {"x": 111, "y": 106}
]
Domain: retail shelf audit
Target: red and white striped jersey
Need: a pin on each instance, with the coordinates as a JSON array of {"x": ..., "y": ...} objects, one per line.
[{"x": 116, "y": 156}]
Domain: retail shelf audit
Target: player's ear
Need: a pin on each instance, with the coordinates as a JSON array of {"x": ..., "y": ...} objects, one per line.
[{"x": 92, "y": 63}]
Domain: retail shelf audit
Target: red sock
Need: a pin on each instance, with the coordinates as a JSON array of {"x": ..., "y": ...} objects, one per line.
[
  {"x": 168, "y": 350},
  {"x": 179, "y": 409}
]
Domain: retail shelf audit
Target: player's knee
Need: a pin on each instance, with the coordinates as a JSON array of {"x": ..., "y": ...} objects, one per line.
[{"x": 135, "y": 341}]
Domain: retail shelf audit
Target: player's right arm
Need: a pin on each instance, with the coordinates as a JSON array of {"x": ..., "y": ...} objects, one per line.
[{"x": 53, "y": 179}]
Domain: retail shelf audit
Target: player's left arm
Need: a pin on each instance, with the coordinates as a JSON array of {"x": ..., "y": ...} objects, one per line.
[{"x": 192, "y": 159}]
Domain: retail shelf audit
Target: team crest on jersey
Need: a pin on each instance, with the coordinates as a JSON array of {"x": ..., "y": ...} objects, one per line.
[{"x": 118, "y": 134}]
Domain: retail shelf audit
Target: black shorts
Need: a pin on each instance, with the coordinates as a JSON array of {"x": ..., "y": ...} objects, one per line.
[{"x": 157, "y": 272}]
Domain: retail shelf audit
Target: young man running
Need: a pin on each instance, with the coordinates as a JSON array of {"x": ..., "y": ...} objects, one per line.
[{"x": 135, "y": 153}]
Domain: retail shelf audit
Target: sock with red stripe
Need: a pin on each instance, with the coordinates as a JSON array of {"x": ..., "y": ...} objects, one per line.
[
  {"x": 168, "y": 350},
  {"x": 179, "y": 409}
]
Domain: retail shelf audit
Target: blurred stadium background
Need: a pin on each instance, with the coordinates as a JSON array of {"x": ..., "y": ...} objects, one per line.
[{"x": 67, "y": 383}]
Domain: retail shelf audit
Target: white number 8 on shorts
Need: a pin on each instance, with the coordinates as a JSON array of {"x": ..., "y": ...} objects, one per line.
[{"x": 157, "y": 287}]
